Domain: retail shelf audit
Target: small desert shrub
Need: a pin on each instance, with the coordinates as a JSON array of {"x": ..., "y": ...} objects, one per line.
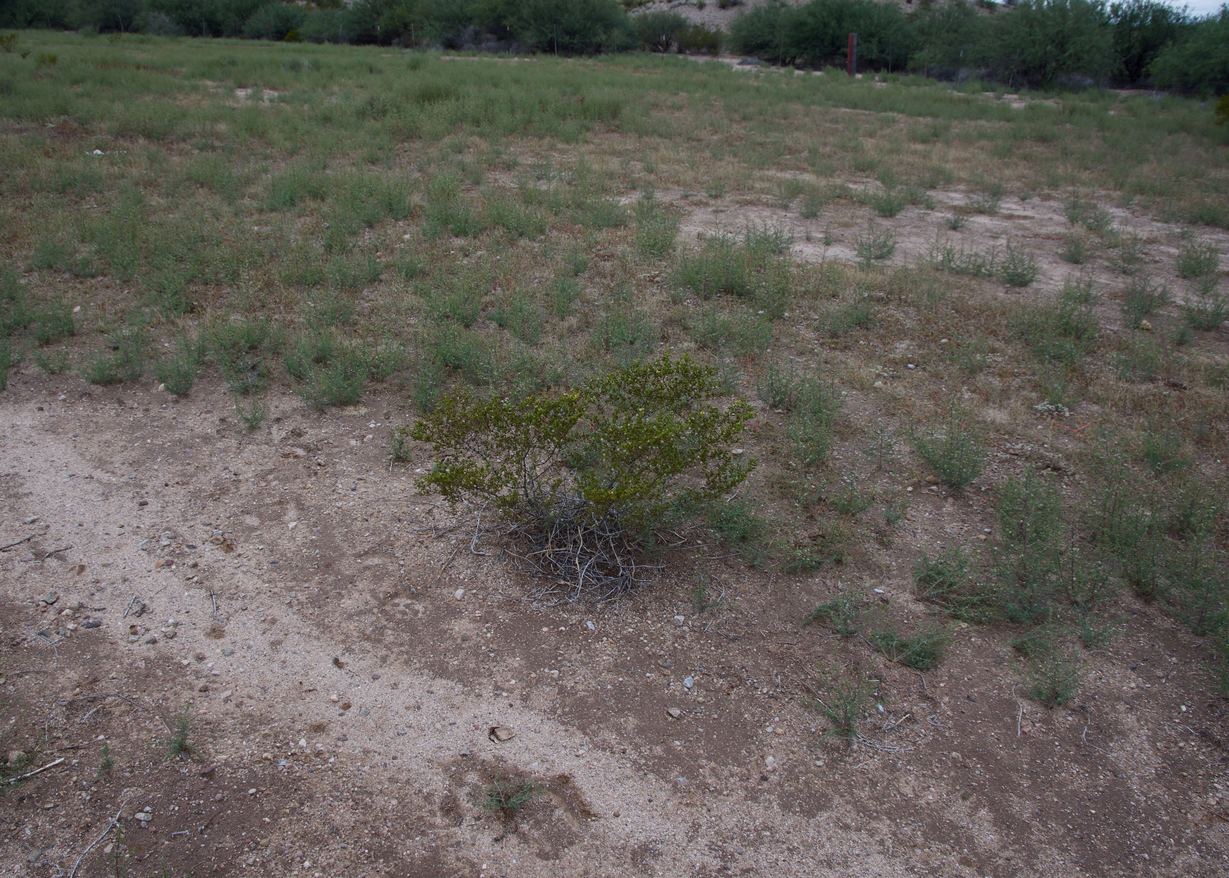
[
  {"x": 1031, "y": 553},
  {"x": 507, "y": 797},
  {"x": 329, "y": 371},
  {"x": 953, "y": 453},
  {"x": 740, "y": 528},
  {"x": 777, "y": 386},
  {"x": 949, "y": 581},
  {"x": 587, "y": 474},
  {"x": 1018, "y": 268},
  {"x": 52, "y": 321},
  {"x": 177, "y": 372},
  {"x": 740, "y": 333},
  {"x": 922, "y": 652},
  {"x": 123, "y": 361},
  {"x": 845, "y": 317},
  {"x": 1052, "y": 675},
  {"x": 1208, "y": 307},
  {"x": 874, "y": 244},
  {"x": 1063, "y": 331},
  {"x": 1075, "y": 249},
  {"x": 842, "y": 614},
  {"x": 626, "y": 334},
  {"x": 1141, "y": 298},
  {"x": 844, "y": 704},
  {"x": 8, "y": 358},
  {"x": 656, "y": 228},
  {"x": 1197, "y": 259},
  {"x": 811, "y": 424},
  {"x": 749, "y": 268},
  {"x": 241, "y": 350}
]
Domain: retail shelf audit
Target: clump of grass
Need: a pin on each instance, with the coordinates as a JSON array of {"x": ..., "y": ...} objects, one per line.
[
  {"x": 846, "y": 317},
  {"x": 922, "y": 652},
  {"x": 740, "y": 333},
  {"x": 1081, "y": 212},
  {"x": 1139, "y": 361},
  {"x": 52, "y": 363},
  {"x": 241, "y": 350},
  {"x": 1075, "y": 249},
  {"x": 987, "y": 200},
  {"x": 123, "y": 361},
  {"x": 1063, "y": 331},
  {"x": 949, "y": 581},
  {"x": 329, "y": 370},
  {"x": 967, "y": 262},
  {"x": 1031, "y": 553},
  {"x": 446, "y": 211},
  {"x": 521, "y": 316},
  {"x": 52, "y": 321},
  {"x": 811, "y": 424},
  {"x": 953, "y": 453},
  {"x": 874, "y": 244},
  {"x": 741, "y": 528},
  {"x": 844, "y": 703},
  {"x": 252, "y": 415},
  {"x": 1129, "y": 254},
  {"x": 1197, "y": 259},
  {"x": 1018, "y": 268},
  {"x": 1208, "y": 307},
  {"x": 750, "y": 268},
  {"x": 1162, "y": 451},
  {"x": 656, "y": 228},
  {"x": 8, "y": 359},
  {"x": 626, "y": 334},
  {"x": 1052, "y": 673},
  {"x": 1142, "y": 298},
  {"x": 564, "y": 294},
  {"x": 507, "y": 797},
  {"x": 518, "y": 220},
  {"x": 777, "y": 385},
  {"x": 842, "y": 614},
  {"x": 177, "y": 372}
]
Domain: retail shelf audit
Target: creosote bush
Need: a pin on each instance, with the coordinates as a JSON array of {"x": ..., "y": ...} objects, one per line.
[{"x": 589, "y": 476}]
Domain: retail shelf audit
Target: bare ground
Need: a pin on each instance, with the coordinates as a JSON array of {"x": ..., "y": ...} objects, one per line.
[{"x": 342, "y": 697}]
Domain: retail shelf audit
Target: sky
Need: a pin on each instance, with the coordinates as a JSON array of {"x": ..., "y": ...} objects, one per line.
[{"x": 1201, "y": 7}]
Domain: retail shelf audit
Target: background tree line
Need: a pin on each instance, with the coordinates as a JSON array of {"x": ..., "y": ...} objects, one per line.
[{"x": 1038, "y": 43}]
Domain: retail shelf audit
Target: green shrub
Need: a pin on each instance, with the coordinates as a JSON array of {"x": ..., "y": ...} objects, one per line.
[
  {"x": 240, "y": 349},
  {"x": 178, "y": 371},
  {"x": 658, "y": 31},
  {"x": 1197, "y": 61},
  {"x": 1141, "y": 298},
  {"x": 1207, "y": 308},
  {"x": 587, "y": 474},
  {"x": 842, "y": 614},
  {"x": 953, "y": 453},
  {"x": 922, "y": 652},
  {"x": 123, "y": 361},
  {"x": 1063, "y": 331},
  {"x": 811, "y": 423},
  {"x": 948, "y": 581},
  {"x": 8, "y": 358},
  {"x": 1018, "y": 268}
]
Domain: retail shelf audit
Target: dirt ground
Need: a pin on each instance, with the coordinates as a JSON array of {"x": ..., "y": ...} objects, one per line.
[{"x": 357, "y": 664}]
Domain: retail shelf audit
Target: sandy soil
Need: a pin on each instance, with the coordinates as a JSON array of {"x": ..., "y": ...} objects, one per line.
[{"x": 357, "y": 668}]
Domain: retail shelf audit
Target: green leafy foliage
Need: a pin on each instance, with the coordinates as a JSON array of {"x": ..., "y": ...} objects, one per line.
[{"x": 623, "y": 452}]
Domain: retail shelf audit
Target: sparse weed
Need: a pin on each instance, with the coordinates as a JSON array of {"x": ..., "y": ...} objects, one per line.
[
  {"x": 777, "y": 385},
  {"x": 1018, "y": 268},
  {"x": 844, "y": 703},
  {"x": 1142, "y": 298},
  {"x": 874, "y": 244},
  {"x": 811, "y": 424},
  {"x": 1208, "y": 307},
  {"x": 507, "y": 797},
  {"x": 177, "y": 745},
  {"x": 842, "y": 614},
  {"x": 177, "y": 372},
  {"x": 1197, "y": 259},
  {"x": 922, "y": 652}
]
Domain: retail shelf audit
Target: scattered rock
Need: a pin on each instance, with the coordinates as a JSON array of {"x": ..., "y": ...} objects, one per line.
[
  {"x": 91, "y": 623},
  {"x": 50, "y": 598},
  {"x": 680, "y": 621},
  {"x": 688, "y": 682},
  {"x": 499, "y": 734},
  {"x": 770, "y": 763},
  {"x": 459, "y": 593},
  {"x": 589, "y": 624},
  {"x": 673, "y": 712}
]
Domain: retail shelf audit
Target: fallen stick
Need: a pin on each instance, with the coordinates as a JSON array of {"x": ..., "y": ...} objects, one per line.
[
  {"x": 19, "y": 542},
  {"x": 15, "y": 780},
  {"x": 114, "y": 823}
]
